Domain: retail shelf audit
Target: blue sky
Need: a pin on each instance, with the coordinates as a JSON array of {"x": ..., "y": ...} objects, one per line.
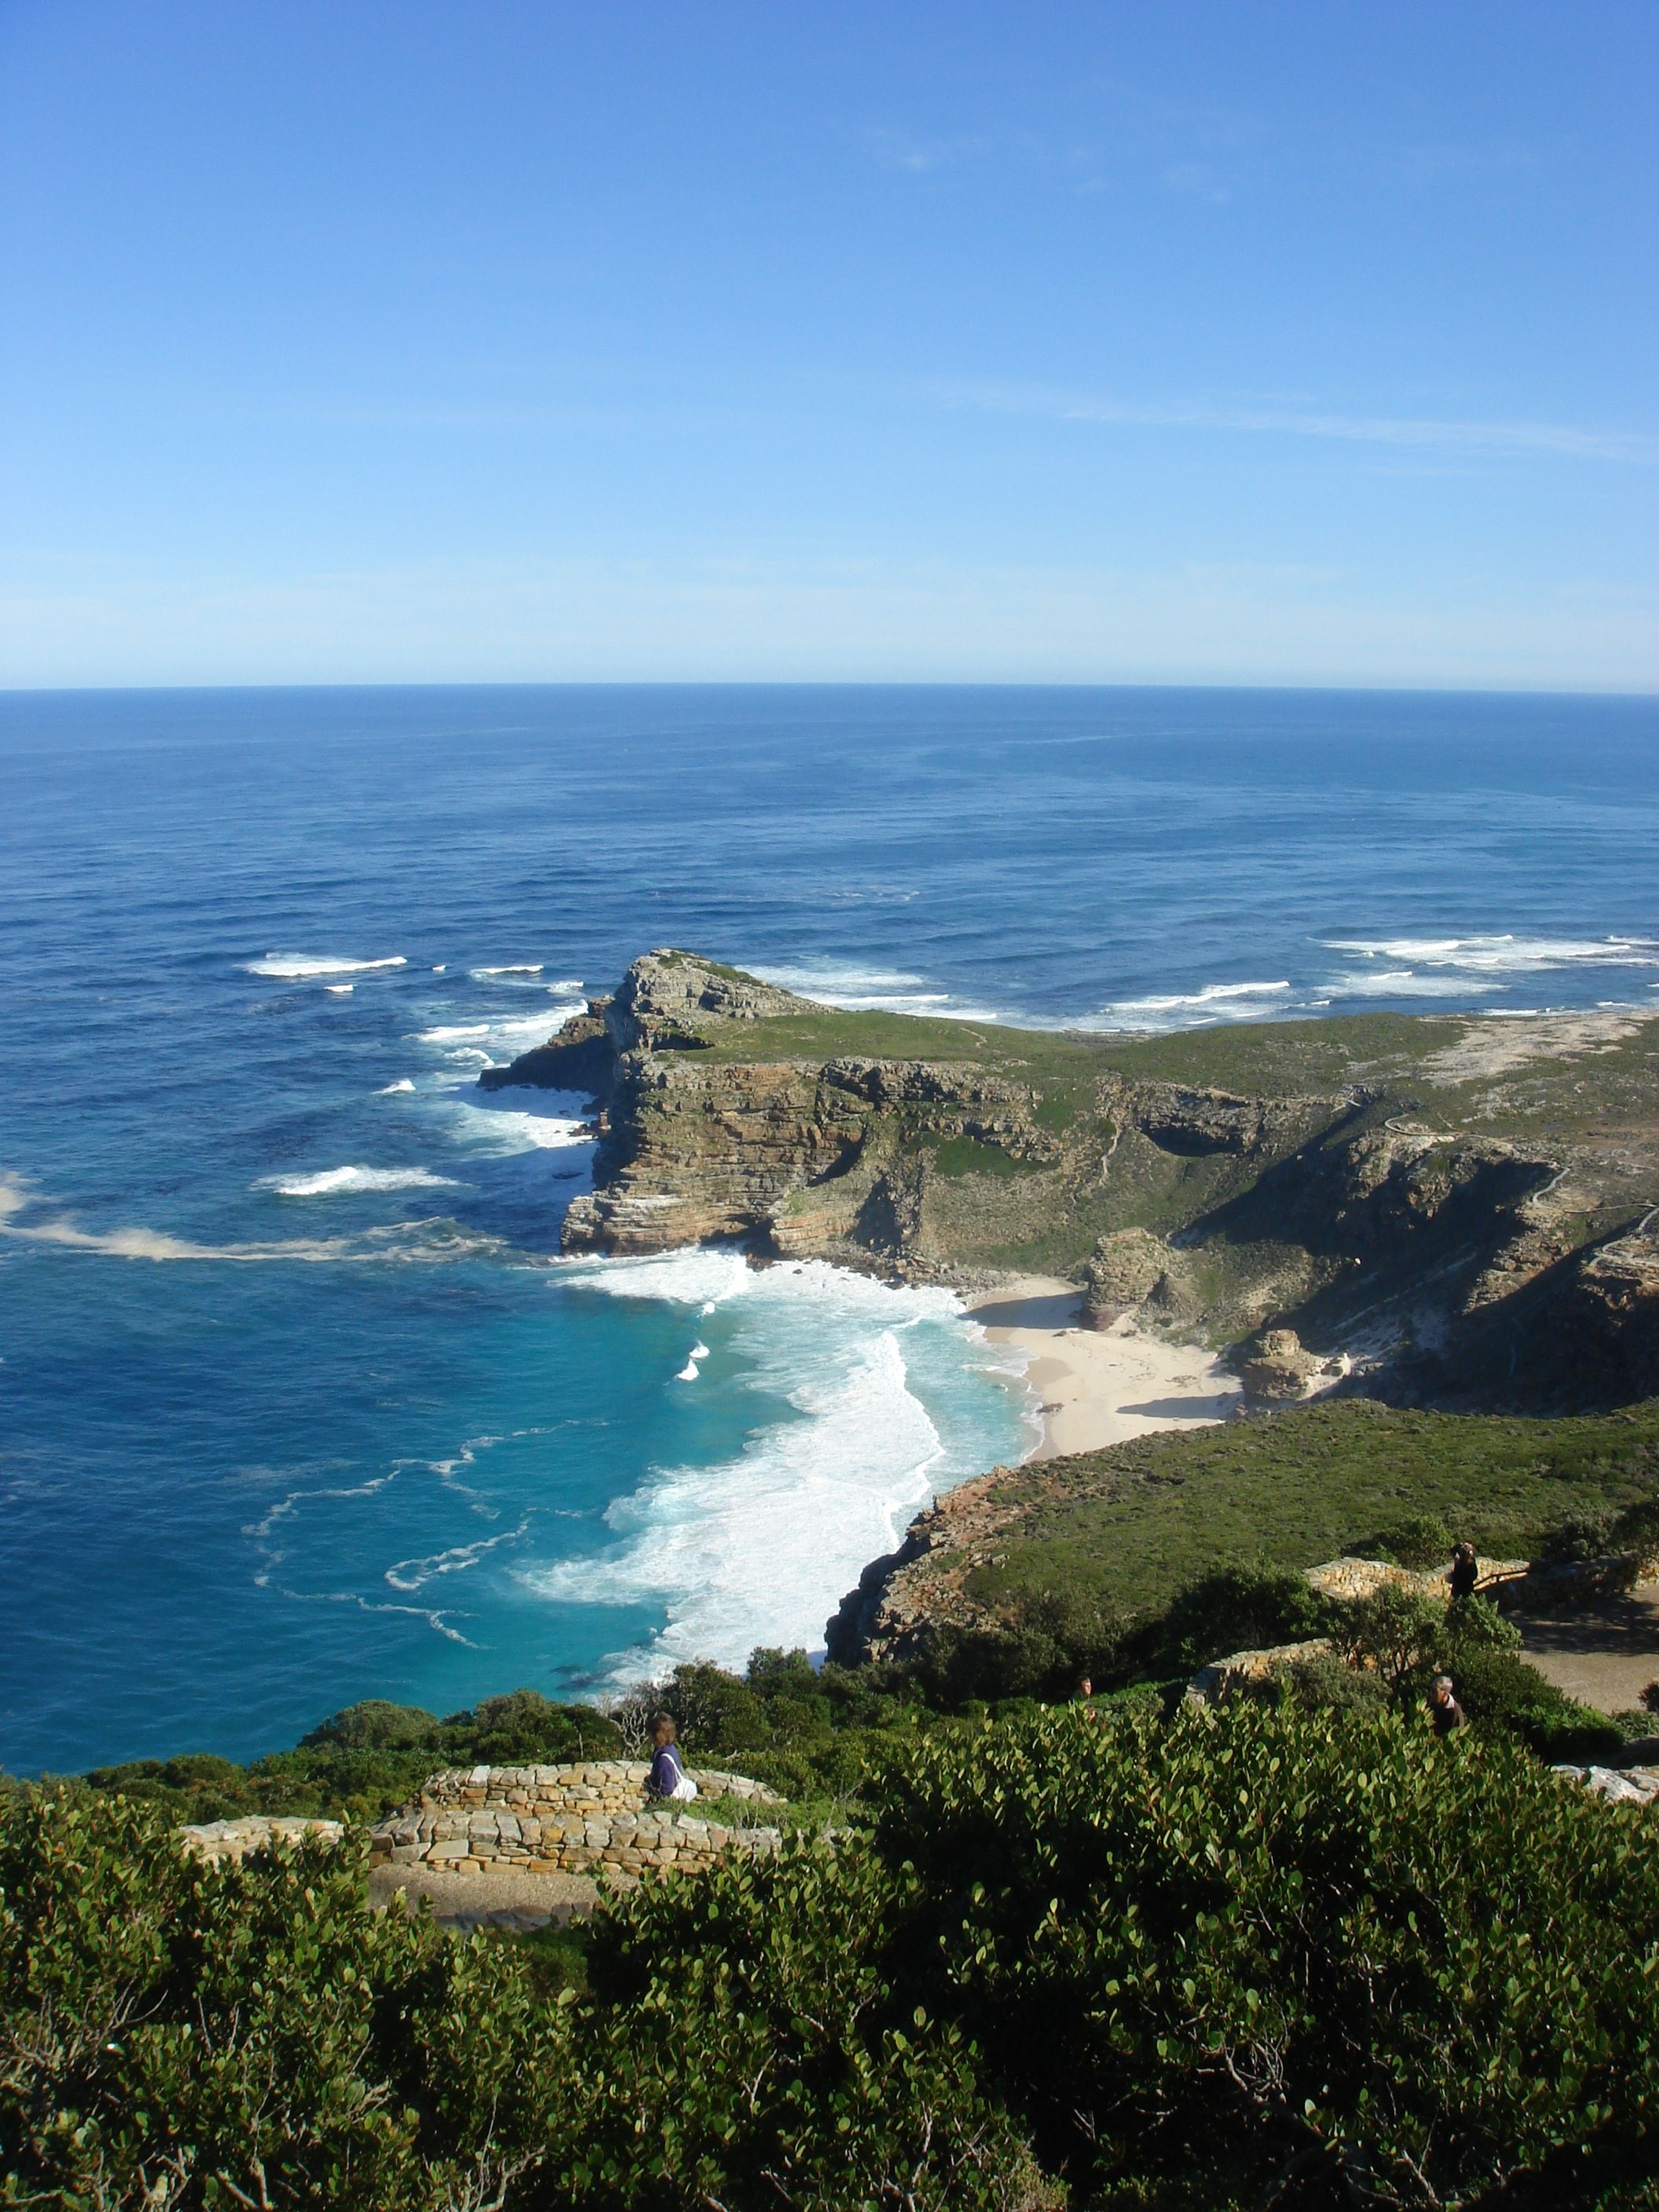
[{"x": 1186, "y": 342}]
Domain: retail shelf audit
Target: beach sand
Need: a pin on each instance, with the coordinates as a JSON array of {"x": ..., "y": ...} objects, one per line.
[{"x": 1100, "y": 1386}]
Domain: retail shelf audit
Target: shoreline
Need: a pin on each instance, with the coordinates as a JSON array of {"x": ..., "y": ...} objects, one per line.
[{"x": 1099, "y": 1387}]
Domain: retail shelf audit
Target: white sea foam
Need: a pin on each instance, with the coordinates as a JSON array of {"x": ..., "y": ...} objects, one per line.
[
  {"x": 339, "y": 990},
  {"x": 536, "y": 1121},
  {"x": 413, "y": 1574},
  {"x": 1506, "y": 954},
  {"x": 699, "y": 1351},
  {"x": 1406, "y": 983},
  {"x": 302, "y": 967},
  {"x": 870, "y": 990},
  {"x": 688, "y": 1373},
  {"x": 332, "y": 1183},
  {"x": 392, "y": 1090},
  {"x": 1236, "y": 1002},
  {"x": 511, "y": 967},
  {"x": 424, "y": 1242},
  {"x": 759, "y": 1548}
]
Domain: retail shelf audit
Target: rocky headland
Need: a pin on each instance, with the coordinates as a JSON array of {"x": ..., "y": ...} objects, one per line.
[{"x": 1445, "y": 1210}]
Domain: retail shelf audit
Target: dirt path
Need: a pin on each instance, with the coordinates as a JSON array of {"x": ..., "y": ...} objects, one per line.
[{"x": 1604, "y": 1654}]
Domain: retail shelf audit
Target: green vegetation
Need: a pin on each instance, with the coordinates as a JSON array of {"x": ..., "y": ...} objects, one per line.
[
  {"x": 827, "y": 1033},
  {"x": 1262, "y": 1955},
  {"x": 1130, "y": 1526},
  {"x": 964, "y": 1155},
  {"x": 365, "y": 1760}
]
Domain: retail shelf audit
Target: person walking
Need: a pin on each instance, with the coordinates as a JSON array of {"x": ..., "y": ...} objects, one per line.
[{"x": 668, "y": 1777}]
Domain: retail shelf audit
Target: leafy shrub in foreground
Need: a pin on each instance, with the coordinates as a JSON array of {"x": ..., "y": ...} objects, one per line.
[
  {"x": 1273, "y": 1956},
  {"x": 178, "y": 2035}
]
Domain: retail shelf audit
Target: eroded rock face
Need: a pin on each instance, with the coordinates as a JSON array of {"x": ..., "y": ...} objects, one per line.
[
  {"x": 1134, "y": 1271},
  {"x": 1449, "y": 1264},
  {"x": 1278, "y": 1369}
]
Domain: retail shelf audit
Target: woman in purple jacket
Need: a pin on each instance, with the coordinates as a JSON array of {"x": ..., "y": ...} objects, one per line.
[{"x": 668, "y": 1777}]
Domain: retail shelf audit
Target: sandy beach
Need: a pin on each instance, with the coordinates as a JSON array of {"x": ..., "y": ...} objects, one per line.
[{"x": 1098, "y": 1387}]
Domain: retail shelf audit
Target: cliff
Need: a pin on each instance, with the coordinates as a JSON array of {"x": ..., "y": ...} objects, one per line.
[{"x": 1464, "y": 1207}]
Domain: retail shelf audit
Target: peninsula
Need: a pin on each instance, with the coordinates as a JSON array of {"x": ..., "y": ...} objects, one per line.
[{"x": 1453, "y": 1211}]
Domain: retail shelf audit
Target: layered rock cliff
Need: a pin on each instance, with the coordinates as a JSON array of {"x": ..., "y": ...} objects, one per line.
[{"x": 1463, "y": 1208}]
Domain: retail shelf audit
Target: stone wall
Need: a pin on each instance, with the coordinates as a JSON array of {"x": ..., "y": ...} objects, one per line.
[{"x": 566, "y": 1819}]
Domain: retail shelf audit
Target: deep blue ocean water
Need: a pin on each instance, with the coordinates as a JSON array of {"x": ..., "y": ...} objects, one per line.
[{"x": 296, "y": 1404}]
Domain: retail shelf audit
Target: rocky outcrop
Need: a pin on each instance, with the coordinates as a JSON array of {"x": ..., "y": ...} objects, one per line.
[
  {"x": 1133, "y": 1271},
  {"x": 1277, "y": 1369},
  {"x": 1442, "y": 1261},
  {"x": 594, "y": 1818}
]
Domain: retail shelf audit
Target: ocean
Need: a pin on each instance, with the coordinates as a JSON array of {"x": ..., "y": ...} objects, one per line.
[{"x": 298, "y": 1404}]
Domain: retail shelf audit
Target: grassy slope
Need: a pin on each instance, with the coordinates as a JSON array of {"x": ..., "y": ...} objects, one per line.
[{"x": 1136, "y": 1523}]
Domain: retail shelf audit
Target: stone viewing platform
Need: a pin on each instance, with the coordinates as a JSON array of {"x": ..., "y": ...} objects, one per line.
[{"x": 589, "y": 1819}]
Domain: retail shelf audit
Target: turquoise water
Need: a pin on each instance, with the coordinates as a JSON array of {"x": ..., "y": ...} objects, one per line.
[{"x": 297, "y": 1405}]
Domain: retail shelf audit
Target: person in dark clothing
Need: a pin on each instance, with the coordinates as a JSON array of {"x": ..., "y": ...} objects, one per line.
[
  {"x": 1464, "y": 1572},
  {"x": 1445, "y": 1713},
  {"x": 668, "y": 1777}
]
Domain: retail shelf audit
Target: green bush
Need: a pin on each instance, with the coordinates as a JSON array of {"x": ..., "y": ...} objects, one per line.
[
  {"x": 1235, "y": 1609},
  {"x": 1422, "y": 1540},
  {"x": 1587, "y": 1535},
  {"x": 1277, "y": 1957},
  {"x": 1267, "y": 1955},
  {"x": 178, "y": 2035}
]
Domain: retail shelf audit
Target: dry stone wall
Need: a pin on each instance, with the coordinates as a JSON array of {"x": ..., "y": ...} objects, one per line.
[{"x": 566, "y": 1819}]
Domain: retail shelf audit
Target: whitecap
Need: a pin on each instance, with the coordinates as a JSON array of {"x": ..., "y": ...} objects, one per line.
[
  {"x": 511, "y": 967},
  {"x": 1505, "y": 953},
  {"x": 688, "y": 1373},
  {"x": 1240, "y": 1002},
  {"x": 339, "y": 990},
  {"x": 332, "y": 1183},
  {"x": 300, "y": 967},
  {"x": 1406, "y": 983},
  {"x": 869, "y": 990},
  {"x": 412, "y": 1575},
  {"x": 393, "y": 1090},
  {"x": 699, "y": 1351}
]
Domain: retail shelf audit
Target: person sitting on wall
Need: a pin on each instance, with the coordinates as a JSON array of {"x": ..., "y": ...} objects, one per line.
[
  {"x": 1464, "y": 1572},
  {"x": 668, "y": 1777},
  {"x": 1445, "y": 1713}
]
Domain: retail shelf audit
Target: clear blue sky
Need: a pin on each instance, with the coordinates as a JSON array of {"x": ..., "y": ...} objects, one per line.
[{"x": 1181, "y": 342}]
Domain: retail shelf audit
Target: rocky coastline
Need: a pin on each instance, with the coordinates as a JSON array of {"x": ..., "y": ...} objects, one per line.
[{"x": 1443, "y": 1210}]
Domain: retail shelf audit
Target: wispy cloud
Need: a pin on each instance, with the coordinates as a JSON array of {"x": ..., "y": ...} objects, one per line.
[
  {"x": 897, "y": 150},
  {"x": 1423, "y": 434}
]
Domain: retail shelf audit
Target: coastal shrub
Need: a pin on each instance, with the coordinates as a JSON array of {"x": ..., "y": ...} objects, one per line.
[
  {"x": 1393, "y": 1631},
  {"x": 1277, "y": 1956},
  {"x": 1234, "y": 1609},
  {"x": 176, "y": 2034},
  {"x": 746, "y": 2043},
  {"x": 375, "y": 1724},
  {"x": 1322, "y": 1678},
  {"x": 1422, "y": 1540},
  {"x": 1587, "y": 1535}
]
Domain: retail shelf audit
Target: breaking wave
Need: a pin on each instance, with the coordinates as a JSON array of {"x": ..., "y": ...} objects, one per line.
[
  {"x": 759, "y": 1547},
  {"x": 300, "y": 967},
  {"x": 331, "y": 1182}
]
